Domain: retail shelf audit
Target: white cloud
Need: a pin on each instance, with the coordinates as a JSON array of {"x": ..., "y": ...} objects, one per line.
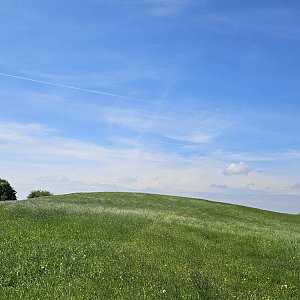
[
  {"x": 37, "y": 140},
  {"x": 237, "y": 169},
  {"x": 35, "y": 156},
  {"x": 34, "y": 151}
]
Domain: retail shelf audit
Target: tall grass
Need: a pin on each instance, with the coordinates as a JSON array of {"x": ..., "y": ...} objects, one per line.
[{"x": 140, "y": 246}]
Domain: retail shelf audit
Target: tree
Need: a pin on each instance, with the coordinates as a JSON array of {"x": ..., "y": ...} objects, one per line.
[
  {"x": 38, "y": 193},
  {"x": 6, "y": 191}
]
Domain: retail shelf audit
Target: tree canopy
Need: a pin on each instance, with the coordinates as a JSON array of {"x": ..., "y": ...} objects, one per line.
[
  {"x": 7, "y": 192},
  {"x": 38, "y": 193}
]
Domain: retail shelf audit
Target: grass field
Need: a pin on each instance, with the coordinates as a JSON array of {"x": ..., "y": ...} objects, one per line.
[{"x": 140, "y": 246}]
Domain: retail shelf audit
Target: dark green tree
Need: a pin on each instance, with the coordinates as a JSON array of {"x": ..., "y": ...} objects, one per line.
[
  {"x": 38, "y": 193},
  {"x": 6, "y": 191}
]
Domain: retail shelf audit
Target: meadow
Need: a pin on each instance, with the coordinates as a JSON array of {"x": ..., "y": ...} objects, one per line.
[{"x": 142, "y": 246}]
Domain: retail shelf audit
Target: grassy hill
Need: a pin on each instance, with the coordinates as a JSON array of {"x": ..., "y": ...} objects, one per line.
[{"x": 140, "y": 246}]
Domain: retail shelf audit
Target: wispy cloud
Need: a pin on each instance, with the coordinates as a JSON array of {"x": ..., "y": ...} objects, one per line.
[
  {"x": 72, "y": 87},
  {"x": 159, "y": 8},
  {"x": 109, "y": 77},
  {"x": 35, "y": 139},
  {"x": 182, "y": 127},
  {"x": 296, "y": 185},
  {"x": 277, "y": 22},
  {"x": 36, "y": 156},
  {"x": 219, "y": 186},
  {"x": 18, "y": 132},
  {"x": 162, "y": 8},
  {"x": 35, "y": 150},
  {"x": 155, "y": 123},
  {"x": 278, "y": 155}
]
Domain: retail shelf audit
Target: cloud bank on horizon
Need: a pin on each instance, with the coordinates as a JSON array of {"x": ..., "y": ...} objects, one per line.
[{"x": 218, "y": 115}]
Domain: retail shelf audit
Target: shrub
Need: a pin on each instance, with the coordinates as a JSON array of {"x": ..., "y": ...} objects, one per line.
[
  {"x": 6, "y": 191},
  {"x": 38, "y": 193}
]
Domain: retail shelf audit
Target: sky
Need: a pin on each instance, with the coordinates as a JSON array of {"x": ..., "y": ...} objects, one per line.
[{"x": 180, "y": 97}]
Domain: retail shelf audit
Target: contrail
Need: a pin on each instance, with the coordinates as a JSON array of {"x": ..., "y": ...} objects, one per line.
[{"x": 73, "y": 87}]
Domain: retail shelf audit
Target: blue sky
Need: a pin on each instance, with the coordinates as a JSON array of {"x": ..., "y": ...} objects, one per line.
[{"x": 209, "y": 102}]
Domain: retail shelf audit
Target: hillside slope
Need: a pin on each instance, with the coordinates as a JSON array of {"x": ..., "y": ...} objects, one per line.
[{"x": 141, "y": 246}]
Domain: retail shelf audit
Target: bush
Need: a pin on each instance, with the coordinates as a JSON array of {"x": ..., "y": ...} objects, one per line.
[
  {"x": 38, "y": 193},
  {"x": 6, "y": 191}
]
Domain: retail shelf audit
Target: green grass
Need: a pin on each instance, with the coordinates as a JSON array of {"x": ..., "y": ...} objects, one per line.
[{"x": 140, "y": 246}]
